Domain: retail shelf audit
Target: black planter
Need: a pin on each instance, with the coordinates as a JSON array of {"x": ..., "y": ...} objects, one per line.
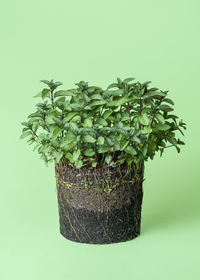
[{"x": 99, "y": 206}]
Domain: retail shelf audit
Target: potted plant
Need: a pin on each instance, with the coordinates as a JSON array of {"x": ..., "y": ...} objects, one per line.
[{"x": 99, "y": 140}]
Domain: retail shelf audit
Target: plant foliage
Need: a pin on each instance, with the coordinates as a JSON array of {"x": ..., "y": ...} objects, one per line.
[{"x": 87, "y": 125}]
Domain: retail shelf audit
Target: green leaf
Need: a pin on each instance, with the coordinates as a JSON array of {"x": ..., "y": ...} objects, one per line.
[
  {"x": 100, "y": 140},
  {"x": 144, "y": 119},
  {"x": 102, "y": 122},
  {"x": 74, "y": 126},
  {"x": 102, "y": 149},
  {"x": 89, "y": 152},
  {"x": 87, "y": 108},
  {"x": 124, "y": 144},
  {"x": 69, "y": 156},
  {"x": 56, "y": 132},
  {"x": 146, "y": 83},
  {"x": 76, "y": 106},
  {"x": 25, "y": 124},
  {"x": 64, "y": 93},
  {"x": 41, "y": 136},
  {"x": 128, "y": 80},
  {"x": 108, "y": 159},
  {"x": 174, "y": 117},
  {"x": 130, "y": 150},
  {"x": 57, "y": 84},
  {"x": 106, "y": 114},
  {"x": 125, "y": 117},
  {"x": 180, "y": 142},
  {"x": 165, "y": 108},
  {"x": 117, "y": 92},
  {"x": 172, "y": 140},
  {"x": 116, "y": 147},
  {"x": 46, "y": 82},
  {"x": 160, "y": 118},
  {"x": 153, "y": 94},
  {"x": 35, "y": 115},
  {"x": 45, "y": 93},
  {"x": 119, "y": 80},
  {"x": 58, "y": 121},
  {"x": 146, "y": 130},
  {"x": 118, "y": 101},
  {"x": 169, "y": 101},
  {"x": 35, "y": 126},
  {"x": 76, "y": 119},
  {"x": 76, "y": 154},
  {"x": 89, "y": 139},
  {"x": 25, "y": 129},
  {"x": 67, "y": 107},
  {"x": 61, "y": 100},
  {"x": 109, "y": 141},
  {"x": 36, "y": 147},
  {"x": 136, "y": 139},
  {"x": 96, "y": 96},
  {"x": 88, "y": 123},
  {"x": 49, "y": 120},
  {"x": 79, "y": 163},
  {"x": 25, "y": 134},
  {"x": 120, "y": 125},
  {"x": 144, "y": 150},
  {"x": 98, "y": 103},
  {"x": 129, "y": 161},
  {"x": 70, "y": 116},
  {"x": 58, "y": 156},
  {"x": 112, "y": 86},
  {"x": 39, "y": 94},
  {"x": 64, "y": 144},
  {"x": 69, "y": 138},
  {"x": 160, "y": 126}
]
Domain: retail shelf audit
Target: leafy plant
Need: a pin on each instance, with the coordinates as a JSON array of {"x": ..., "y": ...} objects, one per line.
[{"x": 87, "y": 125}]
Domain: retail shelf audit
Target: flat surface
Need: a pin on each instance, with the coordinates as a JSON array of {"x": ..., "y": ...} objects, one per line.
[{"x": 97, "y": 41}]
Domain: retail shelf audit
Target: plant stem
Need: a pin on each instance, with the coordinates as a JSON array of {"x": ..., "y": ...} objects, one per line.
[
  {"x": 45, "y": 124},
  {"x": 140, "y": 104},
  {"x": 34, "y": 132},
  {"x": 140, "y": 101},
  {"x": 52, "y": 98},
  {"x": 62, "y": 117},
  {"x": 169, "y": 146},
  {"x": 46, "y": 127}
]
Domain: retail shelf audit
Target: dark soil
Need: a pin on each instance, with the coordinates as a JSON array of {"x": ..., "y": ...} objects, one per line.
[{"x": 99, "y": 206}]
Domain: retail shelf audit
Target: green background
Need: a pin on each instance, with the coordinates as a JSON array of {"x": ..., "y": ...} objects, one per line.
[{"x": 97, "y": 41}]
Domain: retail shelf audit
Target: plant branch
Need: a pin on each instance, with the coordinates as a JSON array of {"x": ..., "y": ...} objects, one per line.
[
  {"x": 34, "y": 133},
  {"x": 62, "y": 117},
  {"x": 168, "y": 146},
  {"x": 52, "y": 98},
  {"x": 140, "y": 104},
  {"x": 45, "y": 124}
]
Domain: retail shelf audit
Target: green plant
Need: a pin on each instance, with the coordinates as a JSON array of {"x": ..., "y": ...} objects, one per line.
[{"x": 123, "y": 124}]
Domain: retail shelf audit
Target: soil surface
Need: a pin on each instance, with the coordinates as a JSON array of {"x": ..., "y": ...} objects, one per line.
[{"x": 99, "y": 206}]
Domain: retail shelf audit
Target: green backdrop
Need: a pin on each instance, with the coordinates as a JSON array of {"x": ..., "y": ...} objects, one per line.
[{"x": 97, "y": 41}]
